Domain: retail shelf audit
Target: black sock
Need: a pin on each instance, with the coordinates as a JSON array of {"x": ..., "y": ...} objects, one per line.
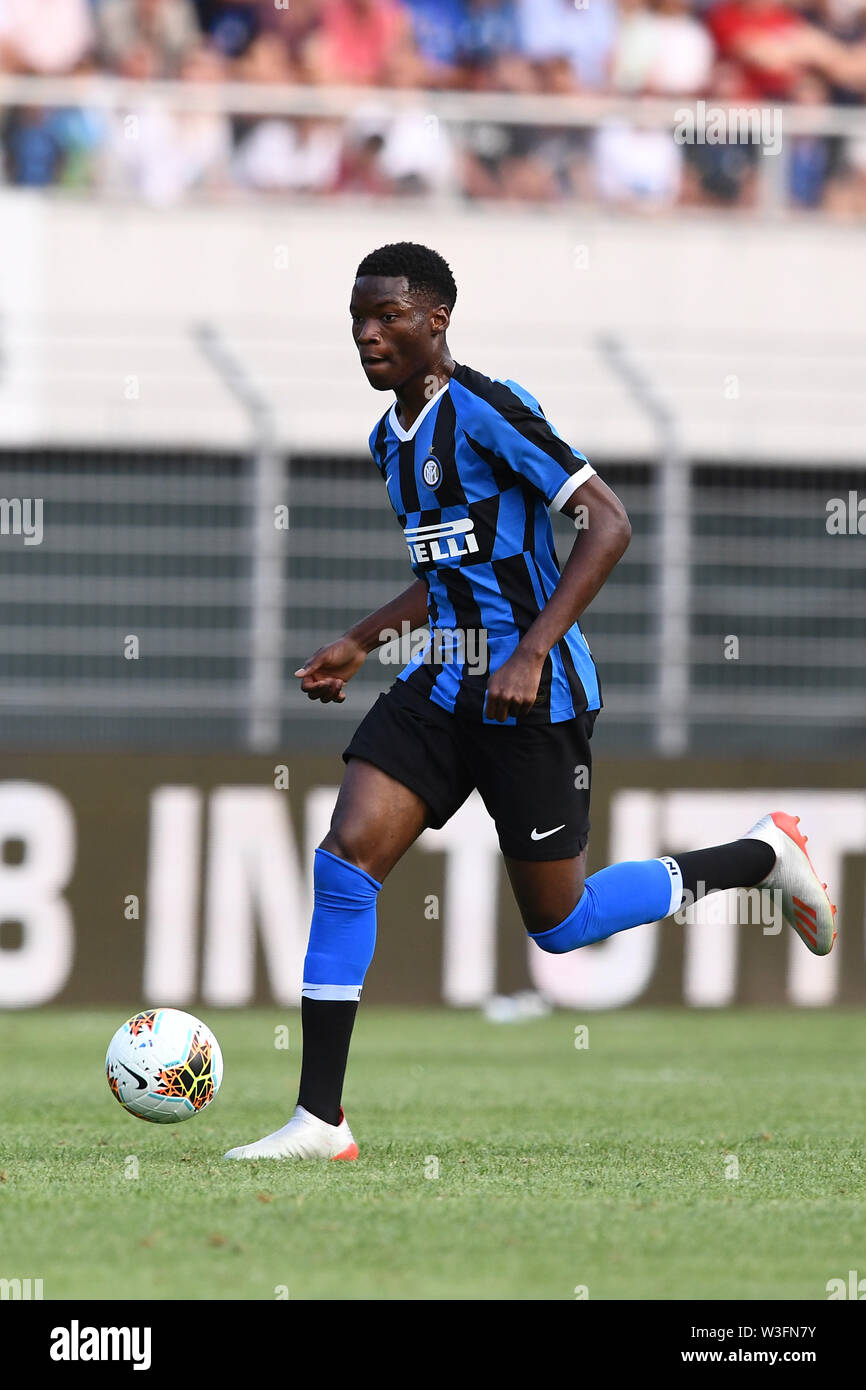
[
  {"x": 327, "y": 1025},
  {"x": 741, "y": 864}
]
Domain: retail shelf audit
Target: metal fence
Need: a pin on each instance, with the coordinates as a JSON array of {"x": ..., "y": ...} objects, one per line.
[{"x": 162, "y": 607}]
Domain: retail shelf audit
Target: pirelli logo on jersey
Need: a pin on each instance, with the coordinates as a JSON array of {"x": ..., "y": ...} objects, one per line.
[{"x": 446, "y": 540}]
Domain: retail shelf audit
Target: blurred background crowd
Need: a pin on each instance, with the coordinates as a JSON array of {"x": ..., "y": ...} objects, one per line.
[{"x": 759, "y": 53}]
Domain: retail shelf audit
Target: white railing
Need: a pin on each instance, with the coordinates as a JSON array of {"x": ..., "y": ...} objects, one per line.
[{"x": 454, "y": 109}]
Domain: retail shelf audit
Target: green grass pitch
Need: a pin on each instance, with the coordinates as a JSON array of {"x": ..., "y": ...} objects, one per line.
[{"x": 680, "y": 1155}]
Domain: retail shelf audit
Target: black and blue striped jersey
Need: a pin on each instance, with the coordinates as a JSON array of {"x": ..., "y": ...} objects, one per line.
[{"x": 471, "y": 483}]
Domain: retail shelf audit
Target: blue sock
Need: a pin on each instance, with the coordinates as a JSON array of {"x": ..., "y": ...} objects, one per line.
[
  {"x": 621, "y": 896},
  {"x": 343, "y": 929}
]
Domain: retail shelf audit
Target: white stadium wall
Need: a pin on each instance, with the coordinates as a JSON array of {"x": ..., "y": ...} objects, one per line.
[{"x": 750, "y": 330}]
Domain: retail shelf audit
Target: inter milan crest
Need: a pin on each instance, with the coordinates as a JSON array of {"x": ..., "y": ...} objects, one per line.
[{"x": 432, "y": 472}]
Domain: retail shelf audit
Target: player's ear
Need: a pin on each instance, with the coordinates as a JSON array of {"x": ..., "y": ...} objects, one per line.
[{"x": 440, "y": 318}]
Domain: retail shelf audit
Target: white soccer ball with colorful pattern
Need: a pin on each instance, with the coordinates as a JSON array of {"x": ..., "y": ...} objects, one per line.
[{"x": 164, "y": 1065}]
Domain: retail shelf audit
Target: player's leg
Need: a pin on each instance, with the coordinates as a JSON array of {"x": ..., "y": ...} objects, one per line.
[
  {"x": 535, "y": 783},
  {"x": 375, "y": 821},
  {"x": 546, "y": 890},
  {"x": 772, "y": 855},
  {"x": 403, "y": 775}
]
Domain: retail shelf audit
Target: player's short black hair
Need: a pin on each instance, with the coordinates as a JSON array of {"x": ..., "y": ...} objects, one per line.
[{"x": 425, "y": 270}]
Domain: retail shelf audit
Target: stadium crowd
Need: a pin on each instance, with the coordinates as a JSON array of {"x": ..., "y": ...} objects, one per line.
[{"x": 756, "y": 53}]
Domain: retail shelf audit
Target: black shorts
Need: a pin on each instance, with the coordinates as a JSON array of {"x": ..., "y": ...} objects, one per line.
[{"x": 533, "y": 778}]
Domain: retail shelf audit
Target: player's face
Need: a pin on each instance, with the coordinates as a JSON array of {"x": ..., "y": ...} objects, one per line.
[{"x": 398, "y": 335}]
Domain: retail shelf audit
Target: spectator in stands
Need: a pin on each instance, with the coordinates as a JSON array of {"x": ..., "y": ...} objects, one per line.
[
  {"x": 47, "y": 37},
  {"x": 360, "y": 168},
  {"x": 267, "y": 60},
  {"x": 279, "y": 156},
  {"x": 295, "y": 26},
  {"x": 436, "y": 28},
  {"x": 812, "y": 159},
  {"x": 54, "y": 145},
  {"x": 170, "y": 26},
  {"x": 758, "y": 35},
  {"x": 843, "y": 64},
  {"x": 488, "y": 32},
  {"x": 142, "y": 61},
  {"x": 683, "y": 51},
  {"x": 844, "y": 22},
  {"x": 418, "y": 152},
  {"x": 845, "y": 195},
  {"x": 32, "y": 147},
  {"x": 661, "y": 50},
  {"x": 635, "y": 46},
  {"x": 163, "y": 154},
  {"x": 636, "y": 169},
  {"x": 722, "y": 175},
  {"x": 358, "y": 40},
  {"x": 553, "y": 29},
  {"x": 230, "y": 25}
]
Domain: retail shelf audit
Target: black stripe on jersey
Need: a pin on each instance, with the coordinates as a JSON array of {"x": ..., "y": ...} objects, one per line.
[
  {"x": 504, "y": 475},
  {"x": 424, "y": 676},
  {"x": 379, "y": 444},
  {"x": 450, "y": 492},
  {"x": 484, "y": 515},
  {"x": 467, "y": 616},
  {"x": 534, "y": 428},
  {"x": 408, "y": 486},
  {"x": 545, "y": 685},
  {"x": 513, "y": 579},
  {"x": 530, "y": 503},
  {"x": 577, "y": 689},
  {"x": 461, "y": 597},
  {"x": 578, "y": 693}
]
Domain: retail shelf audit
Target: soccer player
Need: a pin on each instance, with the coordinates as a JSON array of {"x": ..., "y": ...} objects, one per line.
[{"x": 470, "y": 467}]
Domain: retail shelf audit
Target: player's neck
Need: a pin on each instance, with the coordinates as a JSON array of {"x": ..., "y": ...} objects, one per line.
[{"x": 418, "y": 392}]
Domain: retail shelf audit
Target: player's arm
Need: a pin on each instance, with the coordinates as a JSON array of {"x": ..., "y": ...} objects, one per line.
[
  {"x": 603, "y": 536},
  {"x": 325, "y": 673}
]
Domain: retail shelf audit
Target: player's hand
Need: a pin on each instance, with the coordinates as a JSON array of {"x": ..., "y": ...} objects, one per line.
[
  {"x": 513, "y": 688},
  {"x": 325, "y": 673}
]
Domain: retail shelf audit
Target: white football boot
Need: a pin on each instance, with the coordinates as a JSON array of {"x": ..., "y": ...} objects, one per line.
[
  {"x": 305, "y": 1136},
  {"x": 805, "y": 904}
]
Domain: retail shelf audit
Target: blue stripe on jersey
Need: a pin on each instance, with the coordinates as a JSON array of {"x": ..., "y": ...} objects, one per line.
[{"x": 513, "y": 504}]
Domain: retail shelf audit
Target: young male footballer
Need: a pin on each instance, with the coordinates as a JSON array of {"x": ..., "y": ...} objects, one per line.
[{"x": 471, "y": 467}]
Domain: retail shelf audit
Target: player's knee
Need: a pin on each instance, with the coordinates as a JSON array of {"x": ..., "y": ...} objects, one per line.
[
  {"x": 542, "y": 920},
  {"x": 347, "y": 844}
]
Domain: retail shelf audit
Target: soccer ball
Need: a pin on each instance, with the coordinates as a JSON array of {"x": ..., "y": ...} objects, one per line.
[{"x": 164, "y": 1065}]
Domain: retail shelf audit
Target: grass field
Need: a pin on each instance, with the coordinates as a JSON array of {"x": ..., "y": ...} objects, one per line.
[{"x": 609, "y": 1167}]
